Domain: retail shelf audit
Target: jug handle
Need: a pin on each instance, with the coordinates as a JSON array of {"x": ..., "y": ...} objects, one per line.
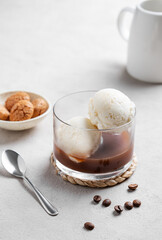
[{"x": 123, "y": 30}]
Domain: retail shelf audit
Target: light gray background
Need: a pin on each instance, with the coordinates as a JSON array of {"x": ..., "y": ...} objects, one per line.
[{"x": 56, "y": 47}]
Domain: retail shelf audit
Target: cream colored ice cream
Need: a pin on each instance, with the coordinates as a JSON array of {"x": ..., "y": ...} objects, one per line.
[
  {"x": 76, "y": 140},
  {"x": 110, "y": 108}
]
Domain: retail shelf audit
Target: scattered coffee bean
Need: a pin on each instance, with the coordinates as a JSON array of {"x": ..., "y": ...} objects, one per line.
[
  {"x": 97, "y": 198},
  {"x": 106, "y": 202},
  {"x": 128, "y": 205},
  {"x": 136, "y": 203},
  {"x": 133, "y": 186},
  {"x": 89, "y": 225},
  {"x": 118, "y": 208}
]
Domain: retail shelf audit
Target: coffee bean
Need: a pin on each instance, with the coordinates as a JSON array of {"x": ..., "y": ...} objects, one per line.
[
  {"x": 133, "y": 186},
  {"x": 89, "y": 225},
  {"x": 128, "y": 205},
  {"x": 118, "y": 208},
  {"x": 97, "y": 198},
  {"x": 106, "y": 202},
  {"x": 136, "y": 203}
]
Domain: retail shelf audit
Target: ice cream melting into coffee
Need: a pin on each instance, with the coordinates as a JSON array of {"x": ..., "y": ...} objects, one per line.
[
  {"x": 74, "y": 140},
  {"x": 81, "y": 145}
]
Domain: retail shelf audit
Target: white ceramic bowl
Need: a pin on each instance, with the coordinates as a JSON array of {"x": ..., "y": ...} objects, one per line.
[{"x": 26, "y": 124}]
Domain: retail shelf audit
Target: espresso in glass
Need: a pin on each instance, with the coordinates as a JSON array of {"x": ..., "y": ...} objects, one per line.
[
  {"x": 114, "y": 152},
  {"x": 113, "y": 155}
]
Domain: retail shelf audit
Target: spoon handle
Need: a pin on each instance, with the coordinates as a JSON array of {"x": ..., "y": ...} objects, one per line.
[{"x": 50, "y": 209}]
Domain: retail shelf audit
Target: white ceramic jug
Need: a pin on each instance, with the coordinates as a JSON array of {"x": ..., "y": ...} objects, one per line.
[{"x": 144, "y": 60}]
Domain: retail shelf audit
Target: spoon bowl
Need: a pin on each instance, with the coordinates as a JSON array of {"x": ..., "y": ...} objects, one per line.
[{"x": 13, "y": 163}]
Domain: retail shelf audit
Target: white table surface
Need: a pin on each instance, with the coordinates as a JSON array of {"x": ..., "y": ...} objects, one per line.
[{"x": 56, "y": 47}]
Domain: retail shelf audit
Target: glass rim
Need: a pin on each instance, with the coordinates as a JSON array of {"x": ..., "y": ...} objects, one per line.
[{"x": 89, "y": 129}]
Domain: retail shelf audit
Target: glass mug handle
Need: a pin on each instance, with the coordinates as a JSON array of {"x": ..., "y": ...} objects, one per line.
[{"x": 122, "y": 28}]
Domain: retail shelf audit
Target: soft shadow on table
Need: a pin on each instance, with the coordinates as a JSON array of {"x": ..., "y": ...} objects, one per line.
[
  {"x": 50, "y": 178},
  {"x": 128, "y": 80},
  {"x": 5, "y": 174},
  {"x": 7, "y": 136},
  {"x": 55, "y": 181},
  {"x": 114, "y": 74}
]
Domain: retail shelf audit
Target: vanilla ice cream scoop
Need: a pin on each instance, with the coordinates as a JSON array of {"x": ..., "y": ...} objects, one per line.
[
  {"x": 76, "y": 139},
  {"x": 110, "y": 108}
]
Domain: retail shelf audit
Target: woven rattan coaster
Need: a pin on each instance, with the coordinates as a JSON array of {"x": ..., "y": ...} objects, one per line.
[{"x": 97, "y": 183}]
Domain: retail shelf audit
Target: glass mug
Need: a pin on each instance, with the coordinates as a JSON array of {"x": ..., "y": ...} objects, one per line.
[{"x": 114, "y": 153}]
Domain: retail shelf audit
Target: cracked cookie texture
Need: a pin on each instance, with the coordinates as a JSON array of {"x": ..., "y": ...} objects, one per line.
[
  {"x": 22, "y": 110},
  {"x": 15, "y": 98},
  {"x": 40, "y": 106}
]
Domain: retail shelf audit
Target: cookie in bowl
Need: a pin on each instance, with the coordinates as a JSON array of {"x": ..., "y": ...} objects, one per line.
[
  {"x": 20, "y": 110},
  {"x": 40, "y": 106},
  {"x": 4, "y": 113},
  {"x": 14, "y": 98}
]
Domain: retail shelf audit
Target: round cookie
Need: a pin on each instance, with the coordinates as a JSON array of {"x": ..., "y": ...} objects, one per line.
[
  {"x": 40, "y": 106},
  {"x": 14, "y": 98},
  {"x": 22, "y": 110},
  {"x": 4, "y": 113}
]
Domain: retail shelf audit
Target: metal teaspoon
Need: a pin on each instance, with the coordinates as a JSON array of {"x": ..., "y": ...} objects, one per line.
[{"x": 15, "y": 165}]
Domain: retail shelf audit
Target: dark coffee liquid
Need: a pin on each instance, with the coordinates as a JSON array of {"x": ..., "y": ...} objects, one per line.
[{"x": 114, "y": 152}]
